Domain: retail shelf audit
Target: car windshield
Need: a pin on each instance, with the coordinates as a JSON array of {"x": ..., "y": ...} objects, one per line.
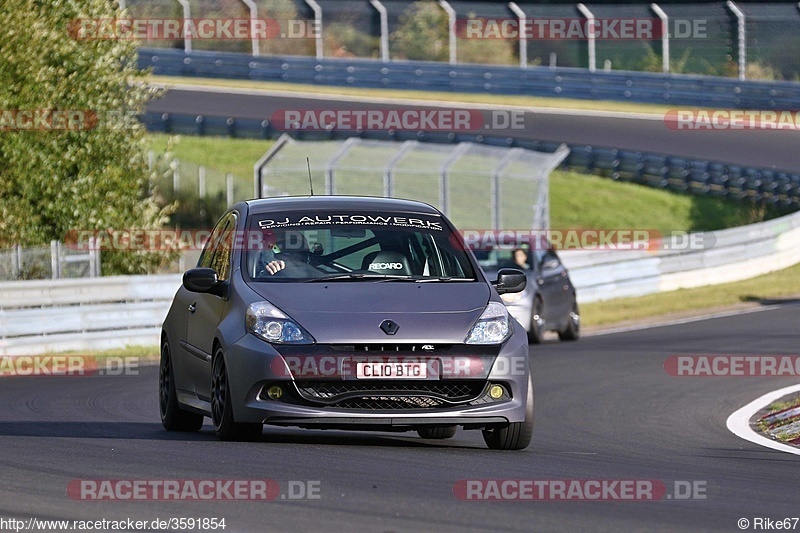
[
  {"x": 357, "y": 246},
  {"x": 521, "y": 258}
]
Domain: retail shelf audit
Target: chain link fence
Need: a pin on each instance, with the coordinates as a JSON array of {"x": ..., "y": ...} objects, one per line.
[
  {"x": 703, "y": 38},
  {"x": 56, "y": 261},
  {"x": 476, "y": 186}
]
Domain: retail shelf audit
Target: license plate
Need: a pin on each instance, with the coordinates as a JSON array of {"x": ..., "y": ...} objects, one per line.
[{"x": 391, "y": 371}]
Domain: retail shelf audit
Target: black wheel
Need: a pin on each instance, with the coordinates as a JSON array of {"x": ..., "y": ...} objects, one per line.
[
  {"x": 536, "y": 331},
  {"x": 173, "y": 418},
  {"x": 437, "y": 433},
  {"x": 573, "y": 330},
  {"x": 516, "y": 435},
  {"x": 225, "y": 426}
]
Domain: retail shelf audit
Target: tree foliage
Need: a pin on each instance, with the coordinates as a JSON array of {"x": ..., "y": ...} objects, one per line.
[{"x": 94, "y": 177}]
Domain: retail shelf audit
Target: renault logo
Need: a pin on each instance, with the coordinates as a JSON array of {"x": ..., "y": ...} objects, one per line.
[{"x": 389, "y": 327}]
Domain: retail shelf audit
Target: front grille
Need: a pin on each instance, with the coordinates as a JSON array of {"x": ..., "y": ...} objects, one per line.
[
  {"x": 415, "y": 394},
  {"x": 378, "y": 403},
  {"x": 389, "y": 347}
]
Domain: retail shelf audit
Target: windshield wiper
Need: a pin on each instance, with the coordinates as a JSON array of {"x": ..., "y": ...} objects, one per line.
[{"x": 362, "y": 276}]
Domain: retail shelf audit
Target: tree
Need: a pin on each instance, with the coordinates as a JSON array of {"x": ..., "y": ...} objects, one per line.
[{"x": 58, "y": 176}]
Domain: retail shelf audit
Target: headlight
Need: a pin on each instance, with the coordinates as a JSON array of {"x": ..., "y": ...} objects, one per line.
[
  {"x": 270, "y": 323},
  {"x": 493, "y": 326}
]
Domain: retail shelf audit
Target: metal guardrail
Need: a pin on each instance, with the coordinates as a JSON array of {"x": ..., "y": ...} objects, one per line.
[
  {"x": 681, "y": 174},
  {"x": 626, "y": 86},
  {"x": 82, "y": 314}
]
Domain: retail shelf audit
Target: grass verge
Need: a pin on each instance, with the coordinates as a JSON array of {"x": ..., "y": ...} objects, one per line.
[{"x": 762, "y": 290}]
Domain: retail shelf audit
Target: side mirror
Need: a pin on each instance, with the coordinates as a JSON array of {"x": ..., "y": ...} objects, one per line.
[
  {"x": 200, "y": 279},
  {"x": 510, "y": 280},
  {"x": 550, "y": 263}
]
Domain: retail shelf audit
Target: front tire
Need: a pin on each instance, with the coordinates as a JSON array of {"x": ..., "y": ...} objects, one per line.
[
  {"x": 225, "y": 426},
  {"x": 573, "y": 330},
  {"x": 516, "y": 435},
  {"x": 173, "y": 418},
  {"x": 536, "y": 331},
  {"x": 437, "y": 433}
]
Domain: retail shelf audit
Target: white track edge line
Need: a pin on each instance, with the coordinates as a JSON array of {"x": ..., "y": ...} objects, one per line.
[{"x": 739, "y": 422}]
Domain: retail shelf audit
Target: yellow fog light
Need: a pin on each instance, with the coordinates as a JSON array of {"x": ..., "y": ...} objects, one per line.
[
  {"x": 275, "y": 392},
  {"x": 496, "y": 392}
]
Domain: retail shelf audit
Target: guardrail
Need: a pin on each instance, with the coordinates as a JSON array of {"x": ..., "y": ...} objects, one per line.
[
  {"x": 83, "y": 314},
  {"x": 713, "y": 178},
  {"x": 559, "y": 82}
]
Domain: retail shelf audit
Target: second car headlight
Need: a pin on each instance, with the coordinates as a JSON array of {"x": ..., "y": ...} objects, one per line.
[
  {"x": 271, "y": 324},
  {"x": 493, "y": 326}
]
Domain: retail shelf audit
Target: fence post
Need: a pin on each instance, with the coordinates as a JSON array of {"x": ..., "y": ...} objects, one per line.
[
  {"x": 739, "y": 14},
  {"x": 523, "y": 36},
  {"x": 201, "y": 181},
  {"x": 451, "y": 25},
  {"x": 16, "y": 264},
  {"x": 54, "y": 259},
  {"x": 384, "y": 29},
  {"x": 317, "y": 27},
  {"x": 251, "y": 5},
  {"x": 229, "y": 189},
  {"x": 664, "y": 36},
  {"x": 187, "y": 15},
  {"x": 176, "y": 175},
  {"x": 590, "y": 35}
]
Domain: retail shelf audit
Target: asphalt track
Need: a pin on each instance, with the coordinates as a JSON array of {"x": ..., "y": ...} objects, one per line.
[
  {"x": 605, "y": 409},
  {"x": 759, "y": 148}
]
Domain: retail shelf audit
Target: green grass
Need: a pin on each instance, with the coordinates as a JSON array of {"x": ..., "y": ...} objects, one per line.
[
  {"x": 761, "y": 289},
  {"x": 495, "y": 99},
  {"x": 141, "y": 353},
  {"x": 236, "y": 156},
  {"x": 593, "y": 202}
]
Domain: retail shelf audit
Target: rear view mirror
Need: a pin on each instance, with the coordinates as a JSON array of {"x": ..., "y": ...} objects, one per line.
[
  {"x": 200, "y": 279},
  {"x": 510, "y": 280}
]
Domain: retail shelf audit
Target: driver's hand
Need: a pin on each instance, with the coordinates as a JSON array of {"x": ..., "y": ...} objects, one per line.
[{"x": 274, "y": 266}]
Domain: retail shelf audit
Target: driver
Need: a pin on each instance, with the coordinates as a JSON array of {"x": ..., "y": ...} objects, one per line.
[{"x": 280, "y": 246}]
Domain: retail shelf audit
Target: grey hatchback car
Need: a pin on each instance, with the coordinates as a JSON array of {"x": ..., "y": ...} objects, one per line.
[{"x": 334, "y": 312}]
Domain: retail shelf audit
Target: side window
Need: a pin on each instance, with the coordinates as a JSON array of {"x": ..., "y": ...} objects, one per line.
[
  {"x": 223, "y": 254},
  {"x": 217, "y": 252}
]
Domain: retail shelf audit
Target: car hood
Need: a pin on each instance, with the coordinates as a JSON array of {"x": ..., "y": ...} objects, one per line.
[{"x": 352, "y": 311}]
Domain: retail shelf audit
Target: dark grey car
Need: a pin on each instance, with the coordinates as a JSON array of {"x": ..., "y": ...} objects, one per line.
[
  {"x": 549, "y": 301},
  {"x": 344, "y": 312}
]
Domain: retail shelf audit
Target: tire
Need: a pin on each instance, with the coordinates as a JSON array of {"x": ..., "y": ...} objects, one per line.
[
  {"x": 437, "y": 433},
  {"x": 225, "y": 426},
  {"x": 516, "y": 435},
  {"x": 173, "y": 418},
  {"x": 536, "y": 331},
  {"x": 573, "y": 330}
]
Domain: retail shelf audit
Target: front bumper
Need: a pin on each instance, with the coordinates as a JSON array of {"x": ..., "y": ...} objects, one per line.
[{"x": 254, "y": 366}]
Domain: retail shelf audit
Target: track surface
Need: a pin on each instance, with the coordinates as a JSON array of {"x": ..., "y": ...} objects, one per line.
[
  {"x": 764, "y": 148},
  {"x": 605, "y": 409}
]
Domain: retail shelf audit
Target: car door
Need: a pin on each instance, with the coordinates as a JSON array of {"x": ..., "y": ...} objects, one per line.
[
  {"x": 205, "y": 310},
  {"x": 551, "y": 277}
]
